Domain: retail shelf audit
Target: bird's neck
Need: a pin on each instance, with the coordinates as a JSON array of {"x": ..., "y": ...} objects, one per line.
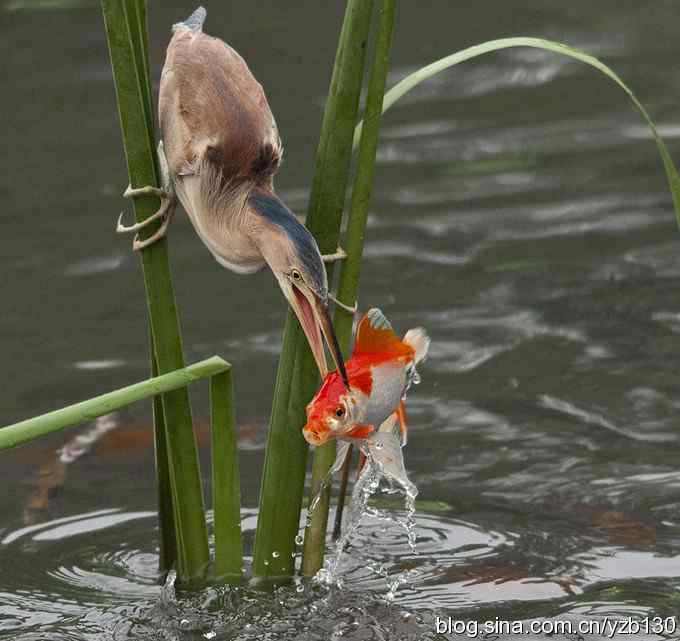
[{"x": 272, "y": 223}]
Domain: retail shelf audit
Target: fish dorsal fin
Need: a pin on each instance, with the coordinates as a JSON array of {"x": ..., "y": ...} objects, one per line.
[{"x": 376, "y": 336}]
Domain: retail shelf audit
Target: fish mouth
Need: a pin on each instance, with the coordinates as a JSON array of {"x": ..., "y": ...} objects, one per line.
[
  {"x": 312, "y": 312},
  {"x": 313, "y": 435}
]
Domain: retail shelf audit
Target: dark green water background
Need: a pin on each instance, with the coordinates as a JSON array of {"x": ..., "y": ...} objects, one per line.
[{"x": 520, "y": 214}]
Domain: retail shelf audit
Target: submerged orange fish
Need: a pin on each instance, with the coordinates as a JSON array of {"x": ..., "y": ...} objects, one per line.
[{"x": 379, "y": 373}]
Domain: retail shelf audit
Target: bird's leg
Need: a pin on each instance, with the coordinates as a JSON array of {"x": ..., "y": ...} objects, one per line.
[
  {"x": 347, "y": 308},
  {"x": 165, "y": 211},
  {"x": 340, "y": 254}
]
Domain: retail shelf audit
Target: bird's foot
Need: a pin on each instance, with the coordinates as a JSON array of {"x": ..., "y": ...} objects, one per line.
[
  {"x": 164, "y": 213},
  {"x": 346, "y": 308},
  {"x": 340, "y": 254},
  {"x": 147, "y": 190}
]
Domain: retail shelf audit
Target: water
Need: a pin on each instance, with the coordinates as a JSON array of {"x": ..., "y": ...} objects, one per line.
[
  {"x": 520, "y": 215},
  {"x": 383, "y": 463}
]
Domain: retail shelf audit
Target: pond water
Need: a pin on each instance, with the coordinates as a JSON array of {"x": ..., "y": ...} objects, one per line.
[{"x": 520, "y": 214}]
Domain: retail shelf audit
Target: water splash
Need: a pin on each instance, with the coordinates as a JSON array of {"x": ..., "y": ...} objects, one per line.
[
  {"x": 315, "y": 501},
  {"x": 412, "y": 378},
  {"x": 341, "y": 453},
  {"x": 384, "y": 462}
]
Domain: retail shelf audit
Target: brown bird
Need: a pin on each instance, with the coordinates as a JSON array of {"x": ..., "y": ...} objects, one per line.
[{"x": 218, "y": 154}]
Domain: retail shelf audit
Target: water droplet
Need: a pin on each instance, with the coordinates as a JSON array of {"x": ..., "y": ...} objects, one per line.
[
  {"x": 299, "y": 539},
  {"x": 185, "y": 625},
  {"x": 300, "y": 588},
  {"x": 276, "y": 554}
]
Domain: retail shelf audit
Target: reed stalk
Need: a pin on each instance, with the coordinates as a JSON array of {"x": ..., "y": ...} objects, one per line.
[
  {"x": 283, "y": 476},
  {"x": 167, "y": 556},
  {"x": 226, "y": 487},
  {"x": 71, "y": 415},
  {"x": 167, "y": 543},
  {"x": 348, "y": 286},
  {"x": 125, "y": 27}
]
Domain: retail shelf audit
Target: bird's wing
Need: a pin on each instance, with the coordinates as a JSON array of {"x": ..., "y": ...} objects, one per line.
[{"x": 214, "y": 114}]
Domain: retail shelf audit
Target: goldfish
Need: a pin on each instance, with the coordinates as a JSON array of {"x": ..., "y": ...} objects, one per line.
[{"x": 379, "y": 373}]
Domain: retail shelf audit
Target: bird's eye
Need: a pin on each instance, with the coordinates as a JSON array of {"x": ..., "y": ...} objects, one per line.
[
  {"x": 340, "y": 412},
  {"x": 296, "y": 274}
]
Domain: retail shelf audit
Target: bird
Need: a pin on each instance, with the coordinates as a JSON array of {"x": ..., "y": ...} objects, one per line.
[{"x": 218, "y": 153}]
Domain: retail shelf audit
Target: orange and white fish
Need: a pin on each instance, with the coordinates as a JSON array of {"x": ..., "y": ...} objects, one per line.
[{"x": 379, "y": 373}]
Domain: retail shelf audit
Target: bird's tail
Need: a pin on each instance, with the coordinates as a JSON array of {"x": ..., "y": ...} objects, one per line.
[
  {"x": 420, "y": 342},
  {"x": 194, "y": 21}
]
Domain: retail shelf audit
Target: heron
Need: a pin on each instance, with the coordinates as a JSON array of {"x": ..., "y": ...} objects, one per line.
[{"x": 218, "y": 154}]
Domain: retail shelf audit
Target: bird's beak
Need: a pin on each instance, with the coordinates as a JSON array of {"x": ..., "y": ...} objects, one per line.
[{"x": 312, "y": 312}]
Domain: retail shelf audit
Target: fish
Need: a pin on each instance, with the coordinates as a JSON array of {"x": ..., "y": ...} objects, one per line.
[{"x": 379, "y": 373}]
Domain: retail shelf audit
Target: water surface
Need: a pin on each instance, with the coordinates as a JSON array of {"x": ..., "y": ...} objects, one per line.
[{"x": 520, "y": 214}]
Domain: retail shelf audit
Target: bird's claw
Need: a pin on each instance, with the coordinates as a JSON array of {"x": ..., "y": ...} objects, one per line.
[
  {"x": 124, "y": 229},
  {"x": 340, "y": 254},
  {"x": 164, "y": 213},
  {"x": 138, "y": 244},
  {"x": 147, "y": 190},
  {"x": 346, "y": 308}
]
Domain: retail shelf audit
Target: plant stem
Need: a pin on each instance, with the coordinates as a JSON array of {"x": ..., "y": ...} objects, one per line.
[
  {"x": 167, "y": 556},
  {"x": 127, "y": 47},
  {"x": 226, "y": 486},
  {"x": 71, "y": 415},
  {"x": 285, "y": 460},
  {"x": 167, "y": 553},
  {"x": 351, "y": 267}
]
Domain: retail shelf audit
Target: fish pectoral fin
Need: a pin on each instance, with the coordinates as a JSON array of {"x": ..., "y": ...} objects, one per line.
[
  {"x": 389, "y": 423},
  {"x": 360, "y": 431},
  {"x": 403, "y": 427}
]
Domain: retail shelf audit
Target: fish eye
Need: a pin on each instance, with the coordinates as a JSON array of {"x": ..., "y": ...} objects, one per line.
[
  {"x": 296, "y": 274},
  {"x": 340, "y": 411}
]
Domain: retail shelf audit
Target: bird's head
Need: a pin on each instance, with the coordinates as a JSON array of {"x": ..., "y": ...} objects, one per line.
[{"x": 293, "y": 256}]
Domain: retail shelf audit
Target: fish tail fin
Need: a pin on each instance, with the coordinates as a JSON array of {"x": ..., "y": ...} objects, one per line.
[
  {"x": 194, "y": 21},
  {"x": 420, "y": 342}
]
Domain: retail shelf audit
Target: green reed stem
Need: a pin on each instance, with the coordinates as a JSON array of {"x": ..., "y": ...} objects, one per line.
[
  {"x": 167, "y": 557},
  {"x": 32, "y": 428},
  {"x": 283, "y": 477},
  {"x": 167, "y": 544},
  {"x": 226, "y": 486},
  {"x": 125, "y": 22},
  {"x": 348, "y": 287}
]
